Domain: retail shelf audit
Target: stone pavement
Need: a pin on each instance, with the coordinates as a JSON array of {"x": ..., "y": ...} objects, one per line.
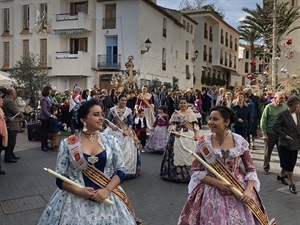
[{"x": 26, "y": 188}]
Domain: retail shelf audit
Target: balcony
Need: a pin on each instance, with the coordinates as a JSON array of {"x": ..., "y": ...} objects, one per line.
[
  {"x": 72, "y": 24},
  {"x": 71, "y": 63},
  {"x": 109, "y": 23},
  {"x": 109, "y": 62}
]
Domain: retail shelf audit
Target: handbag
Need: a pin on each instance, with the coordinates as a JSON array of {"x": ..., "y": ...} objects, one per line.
[{"x": 28, "y": 109}]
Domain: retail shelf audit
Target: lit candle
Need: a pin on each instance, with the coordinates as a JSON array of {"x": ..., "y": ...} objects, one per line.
[{"x": 67, "y": 180}]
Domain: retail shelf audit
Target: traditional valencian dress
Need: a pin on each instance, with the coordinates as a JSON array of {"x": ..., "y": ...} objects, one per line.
[
  {"x": 176, "y": 160},
  {"x": 66, "y": 208},
  {"x": 142, "y": 101},
  {"x": 207, "y": 204},
  {"x": 132, "y": 161},
  {"x": 158, "y": 139}
]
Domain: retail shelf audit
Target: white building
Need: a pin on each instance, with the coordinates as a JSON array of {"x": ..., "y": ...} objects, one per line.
[
  {"x": 244, "y": 67},
  {"x": 217, "y": 42},
  {"x": 92, "y": 40}
]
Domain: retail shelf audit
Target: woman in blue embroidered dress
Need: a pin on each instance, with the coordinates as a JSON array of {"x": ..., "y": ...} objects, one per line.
[
  {"x": 210, "y": 200},
  {"x": 78, "y": 206},
  {"x": 121, "y": 117}
]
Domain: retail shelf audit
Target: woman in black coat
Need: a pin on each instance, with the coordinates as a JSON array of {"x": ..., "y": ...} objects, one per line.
[{"x": 287, "y": 127}]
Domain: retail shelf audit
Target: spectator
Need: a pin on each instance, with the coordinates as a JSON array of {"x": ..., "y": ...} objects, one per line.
[
  {"x": 74, "y": 100},
  {"x": 85, "y": 94},
  {"x": 162, "y": 95},
  {"x": 3, "y": 132},
  {"x": 13, "y": 116},
  {"x": 44, "y": 117},
  {"x": 220, "y": 96},
  {"x": 55, "y": 127},
  {"x": 206, "y": 104},
  {"x": 214, "y": 94},
  {"x": 107, "y": 101},
  {"x": 267, "y": 122},
  {"x": 21, "y": 105}
]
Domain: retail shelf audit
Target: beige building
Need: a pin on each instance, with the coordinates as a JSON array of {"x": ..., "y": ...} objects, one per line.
[
  {"x": 92, "y": 40},
  {"x": 217, "y": 43}
]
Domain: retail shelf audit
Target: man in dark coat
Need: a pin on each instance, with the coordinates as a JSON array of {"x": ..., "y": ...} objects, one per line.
[{"x": 256, "y": 115}]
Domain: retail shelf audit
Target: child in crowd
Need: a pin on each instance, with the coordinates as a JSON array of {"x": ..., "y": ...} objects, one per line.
[
  {"x": 55, "y": 127},
  {"x": 158, "y": 139},
  {"x": 140, "y": 126}
]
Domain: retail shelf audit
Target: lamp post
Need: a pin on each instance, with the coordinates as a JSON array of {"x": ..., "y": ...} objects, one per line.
[
  {"x": 148, "y": 44},
  {"x": 196, "y": 53}
]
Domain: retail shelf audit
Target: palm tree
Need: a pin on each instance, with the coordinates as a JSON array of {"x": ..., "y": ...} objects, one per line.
[
  {"x": 260, "y": 19},
  {"x": 250, "y": 35}
]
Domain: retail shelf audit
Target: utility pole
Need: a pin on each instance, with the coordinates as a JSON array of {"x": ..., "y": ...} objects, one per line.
[{"x": 274, "y": 47}]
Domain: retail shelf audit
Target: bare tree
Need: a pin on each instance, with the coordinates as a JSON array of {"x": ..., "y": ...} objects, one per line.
[{"x": 192, "y": 5}]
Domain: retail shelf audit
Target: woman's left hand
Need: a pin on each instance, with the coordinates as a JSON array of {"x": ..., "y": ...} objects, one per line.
[
  {"x": 100, "y": 195},
  {"x": 247, "y": 195}
]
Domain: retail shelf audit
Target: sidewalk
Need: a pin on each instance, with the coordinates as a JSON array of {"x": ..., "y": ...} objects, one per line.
[{"x": 26, "y": 188}]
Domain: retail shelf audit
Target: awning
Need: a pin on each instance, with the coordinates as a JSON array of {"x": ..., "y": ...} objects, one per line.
[{"x": 68, "y": 31}]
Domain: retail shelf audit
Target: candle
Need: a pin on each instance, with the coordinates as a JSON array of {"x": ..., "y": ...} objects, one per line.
[{"x": 67, "y": 180}]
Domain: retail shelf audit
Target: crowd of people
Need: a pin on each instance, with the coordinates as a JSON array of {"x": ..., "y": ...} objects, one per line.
[{"x": 166, "y": 121}]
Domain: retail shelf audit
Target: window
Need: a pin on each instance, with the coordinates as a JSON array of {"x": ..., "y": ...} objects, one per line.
[
  {"x": 187, "y": 49},
  {"x": 222, "y": 36},
  {"x": 78, "y": 44},
  {"x": 246, "y": 67},
  {"x": 221, "y": 57},
  {"x": 247, "y": 54},
  {"x": 192, "y": 29},
  {"x": 25, "y": 17},
  {"x": 43, "y": 8},
  {"x": 234, "y": 62},
  {"x": 205, "y": 31},
  {"x": 235, "y": 44},
  {"x": 109, "y": 22},
  {"x": 187, "y": 72},
  {"x": 260, "y": 68},
  {"x": 230, "y": 60},
  {"x": 226, "y": 59},
  {"x": 230, "y": 41},
  {"x": 176, "y": 54},
  {"x": 6, "y": 54},
  {"x": 210, "y": 54},
  {"x": 164, "y": 59},
  {"x": 25, "y": 48},
  {"x": 226, "y": 39},
  {"x": 188, "y": 27},
  {"x": 164, "y": 27},
  {"x": 210, "y": 33},
  {"x": 43, "y": 52},
  {"x": 184, "y": 24},
  {"x": 205, "y": 53},
  {"x": 76, "y": 7},
  {"x": 6, "y": 20}
]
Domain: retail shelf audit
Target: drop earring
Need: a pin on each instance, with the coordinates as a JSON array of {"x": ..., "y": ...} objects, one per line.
[{"x": 84, "y": 129}]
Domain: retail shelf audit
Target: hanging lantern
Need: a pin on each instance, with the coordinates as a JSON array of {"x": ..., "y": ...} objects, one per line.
[
  {"x": 250, "y": 76},
  {"x": 283, "y": 70},
  {"x": 252, "y": 62},
  {"x": 289, "y": 42}
]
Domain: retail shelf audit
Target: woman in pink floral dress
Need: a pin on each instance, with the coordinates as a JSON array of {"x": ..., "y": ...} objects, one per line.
[{"x": 210, "y": 200}]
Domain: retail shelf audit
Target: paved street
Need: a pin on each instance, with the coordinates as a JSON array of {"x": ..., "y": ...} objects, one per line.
[{"x": 26, "y": 188}]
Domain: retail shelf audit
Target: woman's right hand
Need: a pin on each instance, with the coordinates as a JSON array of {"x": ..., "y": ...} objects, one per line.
[
  {"x": 86, "y": 192},
  {"x": 223, "y": 186}
]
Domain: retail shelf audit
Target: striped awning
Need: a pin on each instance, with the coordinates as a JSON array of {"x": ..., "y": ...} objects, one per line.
[{"x": 68, "y": 31}]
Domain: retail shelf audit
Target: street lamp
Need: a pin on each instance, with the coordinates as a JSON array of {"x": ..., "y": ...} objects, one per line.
[
  {"x": 196, "y": 53},
  {"x": 148, "y": 44}
]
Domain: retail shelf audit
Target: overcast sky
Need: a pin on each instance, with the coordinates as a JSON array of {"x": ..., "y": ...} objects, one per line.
[{"x": 231, "y": 8}]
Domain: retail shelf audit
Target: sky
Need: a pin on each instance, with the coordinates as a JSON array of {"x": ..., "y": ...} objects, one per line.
[{"x": 231, "y": 8}]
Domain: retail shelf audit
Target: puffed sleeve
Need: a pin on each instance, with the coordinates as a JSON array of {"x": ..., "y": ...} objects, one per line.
[
  {"x": 198, "y": 172},
  {"x": 117, "y": 159},
  {"x": 250, "y": 169},
  {"x": 62, "y": 162}
]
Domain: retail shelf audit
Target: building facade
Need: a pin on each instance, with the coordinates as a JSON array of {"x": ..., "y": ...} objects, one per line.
[
  {"x": 92, "y": 40},
  {"x": 217, "y": 42}
]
